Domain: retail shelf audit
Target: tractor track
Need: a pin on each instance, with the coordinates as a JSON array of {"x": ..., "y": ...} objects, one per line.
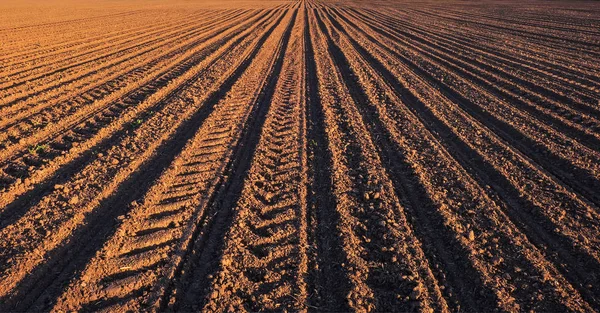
[{"x": 299, "y": 155}]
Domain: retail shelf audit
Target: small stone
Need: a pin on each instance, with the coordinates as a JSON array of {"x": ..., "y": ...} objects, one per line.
[
  {"x": 497, "y": 260},
  {"x": 269, "y": 196},
  {"x": 226, "y": 262},
  {"x": 114, "y": 162},
  {"x": 100, "y": 155},
  {"x": 471, "y": 235},
  {"x": 415, "y": 294},
  {"x": 74, "y": 200}
]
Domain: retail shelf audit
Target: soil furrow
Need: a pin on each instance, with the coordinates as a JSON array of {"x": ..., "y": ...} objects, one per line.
[
  {"x": 164, "y": 222},
  {"x": 569, "y": 43},
  {"x": 70, "y": 21},
  {"x": 537, "y": 46},
  {"x": 264, "y": 257},
  {"x": 12, "y": 75},
  {"x": 25, "y": 64},
  {"x": 78, "y": 108},
  {"x": 71, "y": 69},
  {"x": 113, "y": 163},
  {"x": 507, "y": 257},
  {"x": 206, "y": 255},
  {"x": 385, "y": 265},
  {"x": 566, "y": 75},
  {"x": 85, "y": 136},
  {"x": 525, "y": 20},
  {"x": 560, "y": 244},
  {"x": 509, "y": 76},
  {"x": 515, "y": 45},
  {"x": 326, "y": 280},
  {"x": 299, "y": 155},
  {"x": 538, "y": 147},
  {"x": 57, "y": 88}
]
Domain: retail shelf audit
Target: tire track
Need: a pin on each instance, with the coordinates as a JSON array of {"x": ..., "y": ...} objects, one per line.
[
  {"x": 143, "y": 253},
  {"x": 191, "y": 291},
  {"x": 91, "y": 134},
  {"x": 265, "y": 248},
  {"x": 57, "y": 88},
  {"x": 335, "y": 155},
  {"x": 139, "y": 149}
]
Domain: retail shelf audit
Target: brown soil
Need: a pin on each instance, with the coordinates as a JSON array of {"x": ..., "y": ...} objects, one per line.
[{"x": 370, "y": 156}]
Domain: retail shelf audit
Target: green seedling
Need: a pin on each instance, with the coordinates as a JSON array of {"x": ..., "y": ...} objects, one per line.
[
  {"x": 38, "y": 149},
  {"x": 137, "y": 123}
]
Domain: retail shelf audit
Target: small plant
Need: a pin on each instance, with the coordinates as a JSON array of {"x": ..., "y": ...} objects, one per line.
[
  {"x": 137, "y": 123},
  {"x": 38, "y": 149}
]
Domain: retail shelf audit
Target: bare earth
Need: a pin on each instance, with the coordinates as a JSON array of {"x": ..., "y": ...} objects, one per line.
[{"x": 299, "y": 156}]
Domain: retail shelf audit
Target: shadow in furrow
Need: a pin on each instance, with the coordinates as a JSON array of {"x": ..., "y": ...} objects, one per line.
[
  {"x": 328, "y": 283},
  {"x": 107, "y": 304},
  {"x": 585, "y": 184},
  {"x": 577, "y": 266},
  {"x": 15, "y": 210},
  {"x": 428, "y": 223},
  {"x": 207, "y": 249},
  {"x": 483, "y": 75},
  {"x": 50, "y": 279}
]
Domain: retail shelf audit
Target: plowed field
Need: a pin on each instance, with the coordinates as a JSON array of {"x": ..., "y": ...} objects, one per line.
[{"x": 363, "y": 156}]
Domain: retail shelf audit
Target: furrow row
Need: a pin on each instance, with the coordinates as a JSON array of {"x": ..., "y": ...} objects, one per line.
[
  {"x": 265, "y": 248},
  {"x": 147, "y": 249},
  {"x": 383, "y": 263},
  {"x": 132, "y": 151},
  {"x": 80, "y": 133},
  {"x": 454, "y": 139}
]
